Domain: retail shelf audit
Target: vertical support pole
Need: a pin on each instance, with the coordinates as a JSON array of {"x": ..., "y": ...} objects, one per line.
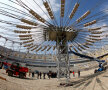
[
  {"x": 63, "y": 63},
  {"x": 58, "y": 59}
]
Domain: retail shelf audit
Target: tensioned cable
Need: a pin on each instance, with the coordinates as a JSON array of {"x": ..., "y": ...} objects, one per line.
[
  {"x": 53, "y": 12},
  {"x": 97, "y": 4},
  {"x": 97, "y": 14},
  {"x": 80, "y": 5},
  {"x": 65, "y": 18},
  {"x": 27, "y": 8},
  {"x": 9, "y": 39},
  {"x": 43, "y": 11},
  {"x": 97, "y": 19}
]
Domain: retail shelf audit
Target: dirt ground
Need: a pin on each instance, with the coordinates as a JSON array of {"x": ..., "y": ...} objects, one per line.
[{"x": 87, "y": 81}]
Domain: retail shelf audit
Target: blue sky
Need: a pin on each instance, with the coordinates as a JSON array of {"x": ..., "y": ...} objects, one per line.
[
  {"x": 83, "y": 7},
  {"x": 69, "y": 4}
]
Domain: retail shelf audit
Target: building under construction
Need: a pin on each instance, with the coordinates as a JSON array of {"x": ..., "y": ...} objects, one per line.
[{"x": 54, "y": 36}]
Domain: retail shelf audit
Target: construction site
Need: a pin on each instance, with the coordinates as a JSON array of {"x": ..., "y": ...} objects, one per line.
[{"x": 53, "y": 45}]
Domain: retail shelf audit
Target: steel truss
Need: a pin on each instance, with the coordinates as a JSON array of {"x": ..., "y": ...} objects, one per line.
[{"x": 63, "y": 63}]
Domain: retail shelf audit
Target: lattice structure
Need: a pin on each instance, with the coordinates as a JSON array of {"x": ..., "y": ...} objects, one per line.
[{"x": 63, "y": 62}]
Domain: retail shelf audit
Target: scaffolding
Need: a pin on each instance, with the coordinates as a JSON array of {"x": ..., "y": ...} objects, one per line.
[{"x": 63, "y": 63}]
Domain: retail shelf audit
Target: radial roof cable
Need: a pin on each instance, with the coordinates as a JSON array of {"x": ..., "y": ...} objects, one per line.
[
  {"x": 48, "y": 9},
  {"x": 75, "y": 50},
  {"x": 74, "y": 10},
  {"x": 35, "y": 48},
  {"x": 93, "y": 29},
  {"x": 95, "y": 39},
  {"x": 88, "y": 43},
  {"x": 28, "y": 41},
  {"x": 94, "y": 36},
  {"x": 49, "y": 48},
  {"x": 105, "y": 26},
  {"x": 39, "y": 49},
  {"x": 99, "y": 32},
  {"x": 7, "y": 22},
  {"x": 5, "y": 28},
  {"x": 44, "y": 48},
  {"x": 25, "y": 38},
  {"x": 29, "y": 22},
  {"x": 31, "y": 47},
  {"x": 37, "y": 16},
  {"x": 62, "y": 7},
  {"x": 83, "y": 16},
  {"x": 81, "y": 47},
  {"x": 28, "y": 45},
  {"x": 16, "y": 31},
  {"x": 25, "y": 35},
  {"x": 90, "y": 23},
  {"x": 23, "y": 27},
  {"x": 21, "y": 3}
]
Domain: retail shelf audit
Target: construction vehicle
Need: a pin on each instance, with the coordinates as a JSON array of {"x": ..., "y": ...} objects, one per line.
[
  {"x": 102, "y": 66},
  {"x": 16, "y": 69}
]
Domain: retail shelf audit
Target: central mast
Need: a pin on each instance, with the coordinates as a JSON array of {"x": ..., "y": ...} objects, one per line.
[{"x": 63, "y": 63}]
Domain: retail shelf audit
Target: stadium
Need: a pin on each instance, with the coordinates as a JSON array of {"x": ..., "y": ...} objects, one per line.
[{"x": 53, "y": 45}]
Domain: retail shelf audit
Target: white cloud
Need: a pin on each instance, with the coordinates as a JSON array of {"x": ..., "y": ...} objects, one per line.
[
  {"x": 105, "y": 7},
  {"x": 38, "y": 35},
  {"x": 36, "y": 8},
  {"x": 31, "y": 4}
]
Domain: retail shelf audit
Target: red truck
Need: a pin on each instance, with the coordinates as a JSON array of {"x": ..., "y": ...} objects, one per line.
[{"x": 16, "y": 69}]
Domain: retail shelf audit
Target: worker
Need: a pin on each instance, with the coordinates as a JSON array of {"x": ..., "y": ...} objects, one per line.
[
  {"x": 29, "y": 72},
  {"x": 78, "y": 73},
  {"x": 1, "y": 65},
  {"x": 40, "y": 74},
  {"x": 44, "y": 75},
  {"x": 32, "y": 74},
  {"x": 37, "y": 72},
  {"x": 73, "y": 73},
  {"x": 5, "y": 65},
  {"x": 49, "y": 74}
]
